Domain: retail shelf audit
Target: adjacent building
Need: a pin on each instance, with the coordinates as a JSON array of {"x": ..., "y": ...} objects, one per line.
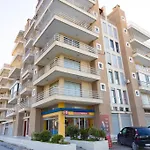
[{"x": 76, "y": 65}]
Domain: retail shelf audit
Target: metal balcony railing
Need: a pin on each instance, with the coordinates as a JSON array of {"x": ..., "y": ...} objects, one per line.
[
  {"x": 68, "y": 41},
  {"x": 25, "y": 104},
  {"x": 80, "y": 23},
  {"x": 60, "y": 63},
  {"x": 12, "y": 110},
  {"x": 26, "y": 85},
  {"x": 27, "y": 53},
  {"x": 68, "y": 92},
  {"x": 41, "y": 11},
  {"x": 144, "y": 84},
  {"x": 29, "y": 68},
  {"x": 4, "y": 95},
  {"x": 141, "y": 68},
  {"x": 142, "y": 53}
]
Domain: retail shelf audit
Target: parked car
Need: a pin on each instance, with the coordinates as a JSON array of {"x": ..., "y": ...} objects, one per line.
[{"x": 135, "y": 137}]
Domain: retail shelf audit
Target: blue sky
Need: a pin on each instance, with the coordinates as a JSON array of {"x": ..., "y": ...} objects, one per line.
[{"x": 14, "y": 13}]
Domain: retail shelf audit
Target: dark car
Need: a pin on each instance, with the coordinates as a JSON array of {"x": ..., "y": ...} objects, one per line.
[{"x": 135, "y": 137}]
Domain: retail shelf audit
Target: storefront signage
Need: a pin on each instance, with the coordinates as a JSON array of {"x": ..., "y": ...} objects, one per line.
[{"x": 77, "y": 113}]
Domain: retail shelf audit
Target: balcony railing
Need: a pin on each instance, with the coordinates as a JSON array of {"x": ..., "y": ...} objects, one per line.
[
  {"x": 80, "y": 23},
  {"x": 6, "y": 106},
  {"x": 68, "y": 92},
  {"x": 12, "y": 110},
  {"x": 46, "y": 3},
  {"x": 28, "y": 52},
  {"x": 29, "y": 67},
  {"x": 144, "y": 69},
  {"x": 24, "y": 104},
  {"x": 4, "y": 95},
  {"x": 60, "y": 63},
  {"x": 68, "y": 41},
  {"x": 142, "y": 53},
  {"x": 144, "y": 84},
  {"x": 26, "y": 85}
]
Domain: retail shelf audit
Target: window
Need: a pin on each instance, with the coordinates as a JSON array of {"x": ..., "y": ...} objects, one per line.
[
  {"x": 113, "y": 96},
  {"x": 142, "y": 78},
  {"x": 98, "y": 46},
  {"x": 96, "y": 29},
  {"x": 104, "y": 27},
  {"x": 114, "y": 61},
  {"x": 115, "y": 33},
  {"x": 119, "y": 96},
  {"x": 35, "y": 71},
  {"x": 110, "y": 31},
  {"x": 117, "y": 78},
  {"x": 33, "y": 92},
  {"x": 120, "y": 62},
  {"x": 103, "y": 87},
  {"x": 125, "y": 98},
  {"x": 131, "y": 59},
  {"x": 125, "y": 30},
  {"x": 137, "y": 92},
  {"x": 134, "y": 75},
  {"x": 112, "y": 45},
  {"x": 117, "y": 47},
  {"x": 128, "y": 44},
  {"x": 108, "y": 58},
  {"x": 111, "y": 79},
  {"x": 122, "y": 79},
  {"x": 106, "y": 43},
  {"x": 100, "y": 65},
  {"x": 123, "y": 18}
]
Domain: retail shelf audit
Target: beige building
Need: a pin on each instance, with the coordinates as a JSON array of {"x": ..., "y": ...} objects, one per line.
[{"x": 76, "y": 65}]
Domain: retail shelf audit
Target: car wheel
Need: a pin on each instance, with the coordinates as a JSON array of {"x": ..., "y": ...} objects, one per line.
[{"x": 134, "y": 146}]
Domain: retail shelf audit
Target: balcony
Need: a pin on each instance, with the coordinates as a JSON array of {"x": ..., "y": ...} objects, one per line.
[
  {"x": 136, "y": 44},
  {"x": 28, "y": 32},
  {"x": 144, "y": 87},
  {"x": 24, "y": 106},
  {"x": 141, "y": 57},
  {"x": 18, "y": 47},
  {"x": 3, "y": 119},
  {"x": 4, "y": 97},
  {"x": 145, "y": 70},
  {"x": 4, "y": 107},
  {"x": 138, "y": 32},
  {"x": 17, "y": 60},
  {"x": 4, "y": 87},
  {"x": 27, "y": 72},
  {"x": 15, "y": 73},
  {"x": 26, "y": 88},
  {"x": 55, "y": 95},
  {"x": 58, "y": 22},
  {"x": 28, "y": 57},
  {"x": 12, "y": 112},
  {"x": 72, "y": 7},
  {"x": 13, "y": 98},
  {"x": 68, "y": 46},
  {"x": 29, "y": 42},
  {"x": 58, "y": 69}
]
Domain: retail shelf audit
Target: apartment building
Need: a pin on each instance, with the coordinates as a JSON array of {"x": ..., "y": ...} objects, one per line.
[{"x": 76, "y": 65}]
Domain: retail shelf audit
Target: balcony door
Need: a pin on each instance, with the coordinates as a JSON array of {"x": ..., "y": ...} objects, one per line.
[
  {"x": 71, "y": 64},
  {"x": 72, "y": 89}
]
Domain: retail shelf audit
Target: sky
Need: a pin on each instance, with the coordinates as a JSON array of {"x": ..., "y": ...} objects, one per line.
[{"x": 14, "y": 14}]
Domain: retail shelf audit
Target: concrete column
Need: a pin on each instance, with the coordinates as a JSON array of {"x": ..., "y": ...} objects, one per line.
[
  {"x": 19, "y": 124},
  {"x": 61, "y": 124},
  {"x": 36, "y": 121}
]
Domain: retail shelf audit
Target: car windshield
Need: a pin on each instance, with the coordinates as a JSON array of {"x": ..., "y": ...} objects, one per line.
[{"x": 143, "y": 131}]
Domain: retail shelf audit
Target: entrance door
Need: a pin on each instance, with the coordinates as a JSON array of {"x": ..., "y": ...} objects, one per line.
[{"x": 25, "y": 128}]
